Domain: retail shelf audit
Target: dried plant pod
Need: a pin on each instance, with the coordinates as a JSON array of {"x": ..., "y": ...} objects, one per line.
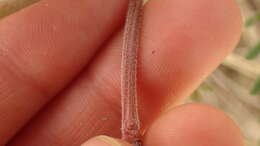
[{"x": 130, "y": 117}]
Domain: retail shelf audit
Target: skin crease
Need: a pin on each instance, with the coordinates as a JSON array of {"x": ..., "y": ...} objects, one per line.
[
  {"x": 188, "y": 128},
  {"x": 182, "y": 42},
  {"x": 42, "y": 48}
]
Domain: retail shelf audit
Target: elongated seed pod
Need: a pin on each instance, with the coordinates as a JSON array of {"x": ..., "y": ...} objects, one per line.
[{"x": 130, "y": 117}]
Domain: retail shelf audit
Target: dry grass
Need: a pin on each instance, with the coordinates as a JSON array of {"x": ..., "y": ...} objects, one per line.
[{"x": 8, "y": 7}]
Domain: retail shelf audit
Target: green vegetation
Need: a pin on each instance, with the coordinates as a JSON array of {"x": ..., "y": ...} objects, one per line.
[
  {"x": 256, "y": 88},
  {"x": 253, "y": 20},
  {"x": 253, "y": 52}
]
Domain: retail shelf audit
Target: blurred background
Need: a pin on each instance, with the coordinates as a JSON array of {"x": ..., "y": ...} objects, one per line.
[{"x": 235, "y": 86}]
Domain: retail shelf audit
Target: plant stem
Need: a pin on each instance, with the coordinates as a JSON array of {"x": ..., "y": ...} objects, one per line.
[{"x": 131, "y": 39}]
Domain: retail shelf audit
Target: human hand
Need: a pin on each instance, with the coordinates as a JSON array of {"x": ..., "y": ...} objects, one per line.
[{"x": 66, "y": 53}]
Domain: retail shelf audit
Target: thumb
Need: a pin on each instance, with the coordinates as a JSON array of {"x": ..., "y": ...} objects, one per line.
[{"x": 105, "y": 141}]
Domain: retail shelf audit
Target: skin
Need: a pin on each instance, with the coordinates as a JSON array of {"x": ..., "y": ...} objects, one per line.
[{"x": 60, "y": 71}]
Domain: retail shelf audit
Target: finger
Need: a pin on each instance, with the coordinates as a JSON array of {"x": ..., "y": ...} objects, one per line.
[
  {"x": 43, "y": 47},
  {"x": 193, "y": 125},
  {"x": 186, "y": 49},
  {"x": 105, "y": 141}
]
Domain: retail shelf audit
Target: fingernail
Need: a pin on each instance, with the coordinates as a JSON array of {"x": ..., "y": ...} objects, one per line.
[
  {"x": 109, "y": 140},
  {"x": 102, "y": 141}
]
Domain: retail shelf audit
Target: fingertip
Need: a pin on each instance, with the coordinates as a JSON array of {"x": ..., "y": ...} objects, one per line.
[
  {"x": 190, "y": 38},
  {"x": 218, "y": 21},
  {"x": 105, "y": 141},
  {"x": 194, "y": 125}
]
